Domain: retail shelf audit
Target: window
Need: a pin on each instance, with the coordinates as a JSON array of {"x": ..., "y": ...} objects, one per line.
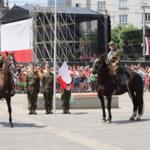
[
  {"x": 123, "y": 19},
  {"x": 101, "y": 5},
  {"x": 123, "y": 4},
  {"x": 147, "y": 17}
]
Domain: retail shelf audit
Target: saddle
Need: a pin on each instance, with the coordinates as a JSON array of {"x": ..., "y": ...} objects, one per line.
[{"x": 121, "y": 77}]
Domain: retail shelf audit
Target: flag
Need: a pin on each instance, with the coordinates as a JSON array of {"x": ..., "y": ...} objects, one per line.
[
  {"x": 147, "y": 41},
  {"x": 64, "y": 76}
]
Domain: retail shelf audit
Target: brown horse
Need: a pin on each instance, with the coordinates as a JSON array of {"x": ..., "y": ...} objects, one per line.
[
  {"x": 6, "y": 85},
  {"x": 106, "y": 85}
]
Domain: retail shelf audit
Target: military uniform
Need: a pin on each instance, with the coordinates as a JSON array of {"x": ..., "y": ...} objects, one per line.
[
  {"x": 121, "y": 74},
  {"x": 1, "y": 61},
  {"x": 33, "y": 86},
  {"x": 114, "y": 57},
  {"x": 47, "y": 86},
  {"x": 65, "y": 96}
]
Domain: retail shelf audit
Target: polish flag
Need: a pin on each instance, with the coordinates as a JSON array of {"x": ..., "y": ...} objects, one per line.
[
  {"x": 147, "y": 40},
  {"x": 17, "y": 38},
  {"x": 64, "y": 76}
]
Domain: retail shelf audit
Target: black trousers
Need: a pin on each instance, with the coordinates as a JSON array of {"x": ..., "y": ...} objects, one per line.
[{"x": 66, "y": 99}]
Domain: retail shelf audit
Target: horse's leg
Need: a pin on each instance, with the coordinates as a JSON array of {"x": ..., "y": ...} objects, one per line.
[
  {"x": 8, "y": 100},
  {"x": 140, "y": 104},
  {"x": 134, "y": 101},
  {"x": 101, "y": 97},
  {"x": 109, "y": 98}
]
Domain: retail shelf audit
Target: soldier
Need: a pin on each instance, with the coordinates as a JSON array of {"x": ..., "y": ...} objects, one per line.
[
  {"x": 1, "y": 60},
  {"x": 114, "y": 55},
  {"x": 113, "y": 58},
  {"x": 10, "y": 62},
  {"x": 47, "y": 86},
  {"x": 33, "y": 86},
  {"x": 65, "y": 96}
]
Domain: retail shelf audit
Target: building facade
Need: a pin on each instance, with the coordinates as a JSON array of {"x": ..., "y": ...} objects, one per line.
[
  {"x": 60, "y": 3},
  {"x": 122, "y": 12}
]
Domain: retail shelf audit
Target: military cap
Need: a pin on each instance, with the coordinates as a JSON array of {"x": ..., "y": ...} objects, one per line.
[
  {"x": 47, "y": 65},
  {"x": 111, "y": 43}
]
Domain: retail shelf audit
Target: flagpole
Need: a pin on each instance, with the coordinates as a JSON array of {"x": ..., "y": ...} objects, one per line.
[{"x": 55, "y": 48}]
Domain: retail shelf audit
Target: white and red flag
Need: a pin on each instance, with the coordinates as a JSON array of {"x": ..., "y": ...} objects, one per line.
[
  {"x": 147, "y": 41},
  {"x": 17, "y": 37},
  {"x": 64, "y": 76}
]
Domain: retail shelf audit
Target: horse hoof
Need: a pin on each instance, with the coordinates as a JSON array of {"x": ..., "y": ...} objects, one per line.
[
  {"x": 132, "y": 119},
  {"x": 11, "y": 125},
  {"x": 138, "y": 119},
  {"x": 108, "y": 121},
  {"x": 103, "y": 120}
]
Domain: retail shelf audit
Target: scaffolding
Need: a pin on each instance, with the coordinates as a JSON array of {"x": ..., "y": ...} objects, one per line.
[{"x": 43, "y": 34}]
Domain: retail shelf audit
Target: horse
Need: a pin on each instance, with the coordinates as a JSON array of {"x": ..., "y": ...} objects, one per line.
[
  {"x": 106, "y": 85},
  {"x": 6, "y": 86}
]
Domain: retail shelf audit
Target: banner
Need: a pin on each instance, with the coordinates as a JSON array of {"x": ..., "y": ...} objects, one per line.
[{"x": 17, "y": 37}]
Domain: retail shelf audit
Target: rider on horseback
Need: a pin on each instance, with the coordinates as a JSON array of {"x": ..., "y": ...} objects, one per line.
[
  {"x": 8, "y": 60},
  {"x": 1, "y": 60},
  {"x": 120, "y": 73}
]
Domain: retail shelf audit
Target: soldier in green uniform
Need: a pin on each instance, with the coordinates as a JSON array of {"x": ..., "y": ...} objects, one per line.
[
  {"x": 121, "y": 74},
  {"x": 65, "y": 96},
  {"x": 47, "y": 86},
  {"x": 33, "y": 87}
]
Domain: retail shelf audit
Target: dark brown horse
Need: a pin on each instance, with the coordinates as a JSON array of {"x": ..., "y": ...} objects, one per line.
[
  {"x": 106, "y": 85},
  {"x": 6, "y": 84}
]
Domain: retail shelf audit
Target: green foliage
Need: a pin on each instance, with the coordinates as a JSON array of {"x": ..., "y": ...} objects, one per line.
[
  {"x": 117, "y": 33},
  {"x": 129, "y": 39}
]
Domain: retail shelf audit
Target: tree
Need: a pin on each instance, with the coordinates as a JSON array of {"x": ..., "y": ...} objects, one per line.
[
  {"x": 128, "y": 40},
  {"x": 117, "y": 33}
]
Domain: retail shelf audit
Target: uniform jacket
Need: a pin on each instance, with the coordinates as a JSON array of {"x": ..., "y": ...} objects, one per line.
[
  {"x": 33, "y": 82},
  {"x": 47, "y": 82}
]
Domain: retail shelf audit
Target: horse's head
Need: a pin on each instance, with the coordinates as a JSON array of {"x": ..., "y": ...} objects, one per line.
[
  {"x": 98, "y": 64},
  {"x": 10, "y": 62}
]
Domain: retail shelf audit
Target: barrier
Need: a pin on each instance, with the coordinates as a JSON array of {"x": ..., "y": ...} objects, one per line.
[{"x": 80, "y": 101}]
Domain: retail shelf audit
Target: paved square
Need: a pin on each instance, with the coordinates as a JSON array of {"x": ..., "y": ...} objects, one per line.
[{"x": 82, "y": 130}]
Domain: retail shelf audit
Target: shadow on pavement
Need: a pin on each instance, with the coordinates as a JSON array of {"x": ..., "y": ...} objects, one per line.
[
  {"x": 21, "y": 125},
  {"x": 129, "y": 122},
  {"x": 80, "y": 113}
]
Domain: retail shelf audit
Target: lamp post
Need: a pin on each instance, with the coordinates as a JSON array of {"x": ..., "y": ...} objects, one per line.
[
  {"x": 55, "y": 49},
  {"x": 143, "y": 5}
]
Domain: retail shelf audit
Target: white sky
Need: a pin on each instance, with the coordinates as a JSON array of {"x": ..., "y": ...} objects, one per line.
[{"x": 22, "y": 2}]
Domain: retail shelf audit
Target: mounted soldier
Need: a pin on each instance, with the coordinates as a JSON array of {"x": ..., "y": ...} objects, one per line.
[
  {"x": 113, "y": 59},
  {"x": 9, "y": 61},
  {"x": 1, "y": 60}
]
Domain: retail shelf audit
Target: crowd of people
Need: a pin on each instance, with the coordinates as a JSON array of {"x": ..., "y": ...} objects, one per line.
[{"x": 83, "y": 79}]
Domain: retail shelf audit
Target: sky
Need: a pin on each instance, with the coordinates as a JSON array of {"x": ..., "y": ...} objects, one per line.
[{"x": 22, "y": 2}]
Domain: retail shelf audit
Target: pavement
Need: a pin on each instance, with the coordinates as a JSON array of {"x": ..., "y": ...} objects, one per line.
[{"x": 81, "y": 130}]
